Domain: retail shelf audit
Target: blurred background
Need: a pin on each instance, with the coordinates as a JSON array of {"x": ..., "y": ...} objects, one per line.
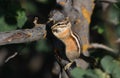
[{"x": 36, "y": 59}]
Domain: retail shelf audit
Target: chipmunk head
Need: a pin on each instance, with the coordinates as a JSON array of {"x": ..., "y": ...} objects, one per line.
[{"x": 61, "y": 29}]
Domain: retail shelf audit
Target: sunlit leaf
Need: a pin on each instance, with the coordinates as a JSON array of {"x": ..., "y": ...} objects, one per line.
[
  {"x": 100, "y": 30},
  {"x": 21, "y": 18}
]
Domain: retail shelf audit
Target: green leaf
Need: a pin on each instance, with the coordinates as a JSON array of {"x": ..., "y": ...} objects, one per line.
[
  {"x": 116, "y": 72},
  {"x": 111, "y": 66},
  {"x": 107, "y": 64},
  {"x": 21, "y": 18},
  {"x": 78, "y": 73},
  {"x": 90, "y": 73},
  {"x": 5, "y": 27},
  {"x": 96, "y": 73},
  {"x": 101, "y": 74},
  {"x": 100, "y": 30}
]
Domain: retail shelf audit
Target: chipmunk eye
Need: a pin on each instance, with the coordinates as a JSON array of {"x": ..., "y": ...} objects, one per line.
[
  {"x": 59, "y": 24},
  {"x": 55, "y": 30}
]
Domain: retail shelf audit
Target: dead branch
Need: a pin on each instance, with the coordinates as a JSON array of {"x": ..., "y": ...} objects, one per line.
[{"x": 22, "y": 36}]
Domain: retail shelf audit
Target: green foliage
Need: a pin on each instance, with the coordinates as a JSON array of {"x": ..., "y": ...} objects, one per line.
[
  {"x": 12, "y": 15},
  {"x": 78, "y": 73},
  {"x": 96, "y": 73},
  {"x": 107, "y": 64},
  {"x": 6, "y": 27},
  {"x": 111, "y": 66},
  {"x": 20, "y": 18}
]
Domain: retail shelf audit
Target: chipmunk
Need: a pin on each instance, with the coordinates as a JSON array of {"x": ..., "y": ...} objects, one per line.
[{"x": 73, "y": 47}]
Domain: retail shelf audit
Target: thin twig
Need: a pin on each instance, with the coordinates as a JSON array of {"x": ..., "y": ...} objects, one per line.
[
  {"x": 102, "y": 46},
  {"x": 10, "y": 57}
]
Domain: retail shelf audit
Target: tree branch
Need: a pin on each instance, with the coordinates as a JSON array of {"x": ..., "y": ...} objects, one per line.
[
  {"x": 22, "y": 36},
  {"x": 101, "y": 46}
]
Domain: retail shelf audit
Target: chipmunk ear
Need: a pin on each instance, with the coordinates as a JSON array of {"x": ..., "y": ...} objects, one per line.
[
  {"x": 69, "y": 24},
  {"x": 68, "y": 20},
  {"x": 51, "y": 20}
]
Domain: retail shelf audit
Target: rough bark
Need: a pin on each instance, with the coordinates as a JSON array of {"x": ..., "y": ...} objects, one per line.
[{"x": 22, "y": 36}]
